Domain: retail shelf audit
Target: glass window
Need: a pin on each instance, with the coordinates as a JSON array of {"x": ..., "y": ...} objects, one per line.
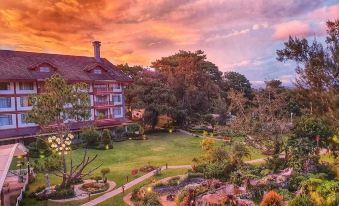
[
  {"x": 117, "y": 111},
  {"x": 97, "y": 71},
  {"x": 117, "y": 86},
  {"x": 24, "y": 102},
  {"x": 23, "y": 118},
  {"x": 117, "y": 98},
  {"x": 26, "y": 86},
  {"x": 5, "y": 102},
  {"x": 4, "y": 86},
  {"x": 44, "y": 69},
  {"x": 6, "y": 120}
]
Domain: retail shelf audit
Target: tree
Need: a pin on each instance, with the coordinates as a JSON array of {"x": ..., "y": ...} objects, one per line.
[
  {"x": 238, "y": 82},
  {"x": 104, "y": 172},
  {"x": 317, "y": 70},
  {"x": 131, "y": 71},
  {"x": 193, "y": 80},
  {"x": 151, "y": 92},
  {"x": 59, "y": 103}
]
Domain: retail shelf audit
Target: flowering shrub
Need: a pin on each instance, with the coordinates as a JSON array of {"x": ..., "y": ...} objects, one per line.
[
  {"x": 272, "y": 199},
  {"x": 134, "y": 172}
]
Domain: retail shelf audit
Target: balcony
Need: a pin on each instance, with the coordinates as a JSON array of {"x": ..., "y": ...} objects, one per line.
[
  {"x": 103, "y": 103},
  {"x": 103, "y": 90},
  {"x": 103, "y": 117}
]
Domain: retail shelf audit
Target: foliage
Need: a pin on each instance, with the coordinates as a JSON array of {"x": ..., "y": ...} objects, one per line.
[
  {"x": 97, "y": 178},
  {"x": 106, "y": 138},
  {"x": 238, "y": 82},
  {"x": 39, "y": 148},
  {"x": 49, "y": 164},
  {"x": 90, "y": 135},
  {"x": 322, "y": 192},
  {"x": 300, "y": 201},
  {"x": 272, "y": 199},
  {"x": 295, "y": 182},
  {"x": 207, "y": 146},
  {"x": 49, "y": 106},
  {"x": 104, "y": 172},
  {"x": 317, "y": 69},
  {"x": 151, "y": 199}
]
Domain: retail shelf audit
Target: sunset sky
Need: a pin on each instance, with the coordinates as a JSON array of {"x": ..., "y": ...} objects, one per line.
[{"x": 237, "y": 35}]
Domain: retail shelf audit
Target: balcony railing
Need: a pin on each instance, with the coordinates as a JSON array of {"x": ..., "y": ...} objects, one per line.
[
  {"x": 103, "y": 89},
  {"x": 103, "y": 103},
  {"x": 103, "y": 117}
]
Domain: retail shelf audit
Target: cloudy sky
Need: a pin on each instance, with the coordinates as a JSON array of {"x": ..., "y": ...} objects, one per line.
[{"x": 237, "y": 35}]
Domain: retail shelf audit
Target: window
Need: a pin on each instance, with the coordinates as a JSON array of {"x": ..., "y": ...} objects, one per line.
[
  {"x": 117, "y": 112},
  {"x": 24, "y": 102},
  {"x": 26, "y": 86},
  {"x": 5, "y": 102},
  {"x": 117, "y": 98},
  {"x": 4, "y": 86},
  {"x": 117, "y": 86},
  {"x": 97, "y": 71},
  {"x": 23, "y": 119},
  {"x": 44, "y": 69},
  {"x": 6, "y": 120}
]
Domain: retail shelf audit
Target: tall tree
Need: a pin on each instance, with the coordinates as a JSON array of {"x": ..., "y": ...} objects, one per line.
[
  {"x": 194, "y": 80},
  {"x": 317, "y": 69},
  {"x": 131, "y": 71},
  {"x": 151, "y": 92},
  {"x": 59, "y": 103},
  {"x": 237, "y": 82}
]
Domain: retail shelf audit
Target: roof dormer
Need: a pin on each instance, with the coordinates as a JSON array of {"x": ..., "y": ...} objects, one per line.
[
  {"x": 95, "y": 68},
  {"x": 44, "y": 67}
]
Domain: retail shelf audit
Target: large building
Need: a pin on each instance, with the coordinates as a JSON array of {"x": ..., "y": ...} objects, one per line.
[{"x": 23, "y": 74}]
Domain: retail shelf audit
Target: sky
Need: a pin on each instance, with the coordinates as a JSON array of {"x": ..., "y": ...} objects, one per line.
[{"x": 236, "y": 35}]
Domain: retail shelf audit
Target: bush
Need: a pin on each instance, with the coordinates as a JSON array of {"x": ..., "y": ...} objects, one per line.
[
  {"x": 39, "y": 149},
  {"x": 119, "y": 134},
  {"x": 300, "y": 201},
  {"x": 295, "y": 182},
  {"x": 104, "y": 172},
  {"x": 151, "y": 199},
  {"x": 90, "y": 136},
  {"x": 97, "y": 178},
  {"x": 106, "y": 139},
  {"x": 61, "y": 194},
  {"x": 272, "y": 199}
]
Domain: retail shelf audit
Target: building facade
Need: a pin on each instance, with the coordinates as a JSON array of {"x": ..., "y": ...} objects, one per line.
[{"x": 24, "y": 73}]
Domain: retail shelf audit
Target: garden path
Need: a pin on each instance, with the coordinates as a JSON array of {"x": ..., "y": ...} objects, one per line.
[{"x": 131, "y": 184}]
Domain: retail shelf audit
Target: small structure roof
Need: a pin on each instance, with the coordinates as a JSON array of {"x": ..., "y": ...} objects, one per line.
[{"x": 7, "y": 152}]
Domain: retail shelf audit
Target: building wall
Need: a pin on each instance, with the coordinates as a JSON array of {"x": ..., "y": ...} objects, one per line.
[{"x": 15, "y": 110}]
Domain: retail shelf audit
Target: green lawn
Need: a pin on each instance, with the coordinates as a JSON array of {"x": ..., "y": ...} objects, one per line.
[{"x": 159, "y": 149}]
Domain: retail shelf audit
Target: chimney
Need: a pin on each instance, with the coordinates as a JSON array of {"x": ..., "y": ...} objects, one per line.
[{"x": 96, "y": 45}]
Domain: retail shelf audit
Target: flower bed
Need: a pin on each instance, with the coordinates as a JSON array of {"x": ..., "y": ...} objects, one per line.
[{"x": 94, "y": 187}]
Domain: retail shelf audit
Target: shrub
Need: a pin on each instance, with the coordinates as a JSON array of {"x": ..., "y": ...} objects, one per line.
[
  {"x": 151, "y": 199},
  {"x": 104, "y": 172},
  {"x": 106, "y": 138},
  {"x": 134, "y": 172},
  {"x": 61, "y": 194},
  {"x": 272, "y": 199},
  {"x": 300, "y": 201},
  {"x": 295, "y": 182},
  {"x": 97, "y": 178},
  {"x": 91, "y": 136}
]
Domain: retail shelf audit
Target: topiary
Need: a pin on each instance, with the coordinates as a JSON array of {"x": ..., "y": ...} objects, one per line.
[
  {"x": 106, "y": 138},
  {"x": 272, "y": 199}
]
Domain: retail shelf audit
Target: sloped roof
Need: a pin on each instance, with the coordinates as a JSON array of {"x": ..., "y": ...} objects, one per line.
[
  {"x": 7, "y": 152},
  {"x": 17, "y": 65}
]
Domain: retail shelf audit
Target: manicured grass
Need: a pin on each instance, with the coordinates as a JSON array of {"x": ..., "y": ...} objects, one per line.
[{"x": 159, "y": 149}]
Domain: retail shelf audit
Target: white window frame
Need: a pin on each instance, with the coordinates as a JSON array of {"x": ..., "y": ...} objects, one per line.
[
  {"x": 117, "y": 103},
  {"x": 13, "y": 125},
  {"x": 121, "y": 110}
]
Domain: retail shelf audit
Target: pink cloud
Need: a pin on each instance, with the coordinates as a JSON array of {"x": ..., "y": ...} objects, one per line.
[
  {"x": 326, "y": 13},
  {"x": 292, "y": 28}
]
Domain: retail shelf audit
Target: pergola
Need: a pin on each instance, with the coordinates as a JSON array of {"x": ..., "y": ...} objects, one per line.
[{"x": 7, "y": 153}]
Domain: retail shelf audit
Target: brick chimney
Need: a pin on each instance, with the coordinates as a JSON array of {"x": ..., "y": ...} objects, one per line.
[{"x": 96, "y": 45}]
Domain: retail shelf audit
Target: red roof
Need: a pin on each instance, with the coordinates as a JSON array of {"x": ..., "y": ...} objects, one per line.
[{"x": 19, "y": 65}]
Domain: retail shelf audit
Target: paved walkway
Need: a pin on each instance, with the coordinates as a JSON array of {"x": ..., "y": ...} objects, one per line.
[{"x": 117, "y": 191}]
